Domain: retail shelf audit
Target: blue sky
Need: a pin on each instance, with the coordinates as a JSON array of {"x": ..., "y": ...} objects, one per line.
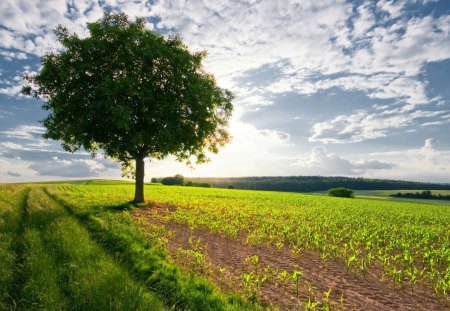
[{"x": 329, "y": 87}]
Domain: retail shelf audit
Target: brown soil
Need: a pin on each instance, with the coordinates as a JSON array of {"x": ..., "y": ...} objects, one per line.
[{"x": 359, "y": 293}]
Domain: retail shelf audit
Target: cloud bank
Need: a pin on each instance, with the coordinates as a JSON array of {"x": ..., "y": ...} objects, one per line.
[{"x": 265, "y": 51}]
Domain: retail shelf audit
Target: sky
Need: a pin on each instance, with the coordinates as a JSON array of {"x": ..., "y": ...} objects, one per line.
[{"x": 323, "y": 87}]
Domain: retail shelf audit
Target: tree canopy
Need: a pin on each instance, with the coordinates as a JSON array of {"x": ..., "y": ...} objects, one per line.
[
  {"x": 131, "y": 93},
  {"x": 341, "y": 192}
]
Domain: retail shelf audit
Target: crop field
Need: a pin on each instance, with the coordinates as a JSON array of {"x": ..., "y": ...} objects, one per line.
[{"x": 218, "y": 249}]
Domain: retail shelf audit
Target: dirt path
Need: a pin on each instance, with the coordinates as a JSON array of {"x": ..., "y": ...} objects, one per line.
[{"x": 224, "y": 252}]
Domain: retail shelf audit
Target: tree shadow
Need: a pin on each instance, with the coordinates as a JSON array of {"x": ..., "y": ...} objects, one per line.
[{"x": 126, "y": 206}]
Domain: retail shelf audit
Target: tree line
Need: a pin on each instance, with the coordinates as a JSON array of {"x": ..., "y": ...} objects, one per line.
[
  {"x": 426, "y": 194},
  {"x": 315, "y": 183},
  {"x": 178, "y": 180}
]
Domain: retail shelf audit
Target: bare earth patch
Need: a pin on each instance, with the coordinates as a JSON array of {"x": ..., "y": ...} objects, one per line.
[{"x": 230, "y": 254}]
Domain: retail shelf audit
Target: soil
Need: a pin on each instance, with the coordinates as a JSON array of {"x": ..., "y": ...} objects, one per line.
[{"x": 358, "y": 292}]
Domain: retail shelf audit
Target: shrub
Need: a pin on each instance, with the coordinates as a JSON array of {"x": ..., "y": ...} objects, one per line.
[
  {"x": 172, "y": 181},
  {"x": 230, "y": 187},
  {"x": 341, "y": 192}
]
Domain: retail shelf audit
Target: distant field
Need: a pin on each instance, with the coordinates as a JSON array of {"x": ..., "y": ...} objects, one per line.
[
  {"x": 386, "y": 195},
  {"x": 389, "y": 192},
  {"x": 88, "y": 182}
]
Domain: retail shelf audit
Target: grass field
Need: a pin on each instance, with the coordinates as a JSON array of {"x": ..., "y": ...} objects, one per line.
[
  {"x": 58, "y": 257},
  {"x": 218, "y": 249},
  {"x": 385, "y": 195}
]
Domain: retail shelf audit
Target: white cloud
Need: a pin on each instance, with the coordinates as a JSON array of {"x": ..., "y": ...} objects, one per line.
[
  {"x": 30, "y": 132},
  {"x": 35, "y": 163},
  {"x": 239, "y": 37},
  {"x": 67, "y": 168},
  {"x": 361, "y": 125},
  {"x": 321, "y": 162},
  {"x": 386, "y": 65},
  {"x": 426, "y": 163},
  {"x": 11, "y": 145},
  {"x": 393, "y": 8},
  {"x": 274, "y": 134},
  {"x": 11, "y": 90},
  {"x": 15, "y": 83},
  {"x": 364, "y": 21},
  {"x": 8, "y": 55}
]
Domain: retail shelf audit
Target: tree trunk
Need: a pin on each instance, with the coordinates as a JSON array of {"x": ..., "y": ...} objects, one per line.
[{"x": 139, "y": 192}]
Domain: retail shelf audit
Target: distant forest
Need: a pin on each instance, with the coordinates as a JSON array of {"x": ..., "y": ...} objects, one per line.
[
  {"x": 315, "y": 183},
  {"x": 421, "y": 195}
]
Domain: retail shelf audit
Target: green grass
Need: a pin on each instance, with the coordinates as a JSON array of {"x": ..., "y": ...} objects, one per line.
[
  {"x": 86, "y": 182},
  {"x": 11, "y": 200},
  {"x": 389, "y": 192},
  {"x": 385, "y": 195},
  {"x": 87, "y": 275},
  {"x": 57, "y": 266}
]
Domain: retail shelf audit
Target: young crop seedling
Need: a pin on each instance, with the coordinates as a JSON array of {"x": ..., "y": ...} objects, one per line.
[
  {"x": 296, "y": 275},
  {"x": 283, "y": 277},
  {"x": 312, "y": 296},
  {"x": 195, "y": 257},
  {"x": 253, "y": 280},
  {"x": 363, "y": 266}
]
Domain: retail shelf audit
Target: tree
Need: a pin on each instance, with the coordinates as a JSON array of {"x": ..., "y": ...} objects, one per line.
[
  {"x": 172, "y": 181},
  {"x": 341, "y": 192},
  {"x": 131, "y": 93}
]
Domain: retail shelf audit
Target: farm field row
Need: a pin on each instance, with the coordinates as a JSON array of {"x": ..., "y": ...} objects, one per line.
[
  {"x": 403, "y": 246},
  {"x": 58, "y": 257}
]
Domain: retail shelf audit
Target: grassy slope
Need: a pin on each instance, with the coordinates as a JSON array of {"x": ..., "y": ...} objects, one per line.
[
  {"x": 11, "y": 200},
  {"x": 67, "y": 268},
  {"x": 49, "y": 261},
  {"x": 87, "y": 182}
]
